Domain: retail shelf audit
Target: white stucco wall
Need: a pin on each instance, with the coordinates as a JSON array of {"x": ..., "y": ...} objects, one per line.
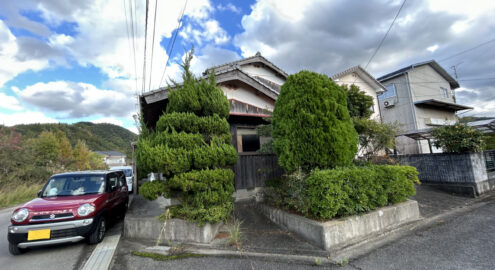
[
  {"x": 365, "y": 87},
  {"x": 263, "y": 72},
  {"x": 248, "y": 95}
]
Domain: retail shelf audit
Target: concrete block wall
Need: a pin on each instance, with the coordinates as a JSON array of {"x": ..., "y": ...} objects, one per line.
[{"x": 460, "y": 173}]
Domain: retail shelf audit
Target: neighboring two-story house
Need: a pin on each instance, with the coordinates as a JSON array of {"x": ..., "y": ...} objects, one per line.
[
  {"x": 366, "y": 83},
  {"x": 419, "y": 97},
  {"x": 113, "y": 158}
]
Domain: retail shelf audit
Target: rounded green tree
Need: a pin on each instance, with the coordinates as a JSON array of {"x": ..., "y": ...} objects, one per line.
[
  {"x": 192, "y": 147},
  {"x": 311, "y": 124}
]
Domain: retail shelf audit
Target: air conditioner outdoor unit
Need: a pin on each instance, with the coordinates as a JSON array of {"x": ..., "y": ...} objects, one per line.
[{"x": 389, "y": 103}]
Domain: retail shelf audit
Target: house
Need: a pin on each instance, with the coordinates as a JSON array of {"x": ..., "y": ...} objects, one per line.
[
  {"x": 251, "y": 85},
  {"x": 113, "y": 158},
  {"x": 360, "y": 77},
  {"x": 419, "y": 97}
]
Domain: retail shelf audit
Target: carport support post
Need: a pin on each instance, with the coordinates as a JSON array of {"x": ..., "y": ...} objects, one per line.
[
  {"x": 134, "y": 169},
  {"x": 429, "y": 145}
]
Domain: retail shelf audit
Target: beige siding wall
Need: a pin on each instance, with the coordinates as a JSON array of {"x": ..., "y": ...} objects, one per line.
[
  {"x": 262, "y": 72},
  {"x": 248, "y": 95},
  {"x": 365, "y": 87},
  {"x": 425, "y": 84}
]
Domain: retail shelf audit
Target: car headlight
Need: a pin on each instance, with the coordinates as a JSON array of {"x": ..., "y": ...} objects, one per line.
[
  {"x": 85, "y": 209},
  {"x": 20, "y": 215}
]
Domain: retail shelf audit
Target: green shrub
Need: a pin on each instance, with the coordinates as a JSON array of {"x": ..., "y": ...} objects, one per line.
[
  {"x": 191, "y": 146},
  {"x": 359, "y": 104},
  {"x": 191, "y": 123},
  {"x": 152, "y": 190},
  {"x": 311, "y": 124},
  {"x": 344, "y": 191},
  {"x": 326, "y": 194},
  {"x": 458, "y": 138}
]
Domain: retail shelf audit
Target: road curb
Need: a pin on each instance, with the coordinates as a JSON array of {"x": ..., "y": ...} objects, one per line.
[{"x": 102, "y": 255}]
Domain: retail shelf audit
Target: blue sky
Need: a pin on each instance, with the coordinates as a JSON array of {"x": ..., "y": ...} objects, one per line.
[{"x": 69, "y": 62}]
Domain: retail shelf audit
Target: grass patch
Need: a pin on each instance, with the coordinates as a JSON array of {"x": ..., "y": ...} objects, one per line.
[
  {"x": 19, "y": 194},
  {"x": 161, "y": 257}
]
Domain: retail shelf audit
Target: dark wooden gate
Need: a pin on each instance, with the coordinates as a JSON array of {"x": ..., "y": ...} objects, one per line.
[{"x": 253, "y": 169}]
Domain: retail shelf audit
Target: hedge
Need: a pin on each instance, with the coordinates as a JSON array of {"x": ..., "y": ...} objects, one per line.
[
  {"x": 325, "y": 194},
  {"x": 353, "y": 190}
]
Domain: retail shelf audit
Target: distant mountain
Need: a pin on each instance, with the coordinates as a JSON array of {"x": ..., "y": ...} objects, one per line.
[
  {"x": 98, "y": 137},
  {"x": 467, "y": 119}
]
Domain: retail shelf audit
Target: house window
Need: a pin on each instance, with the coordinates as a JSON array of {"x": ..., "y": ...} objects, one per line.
[
  {"x": 247, "y": 140},
  {"x": 389, "y": 93},
  {"x": 444, "y": 92}
]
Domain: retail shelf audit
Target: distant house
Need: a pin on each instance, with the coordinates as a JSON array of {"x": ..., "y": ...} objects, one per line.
[
  {"x": 251, "y": 85},
  {"x": 419, "y": 97},
  {"x": 366, "y": 82},
  {"x": 113, "y": 158}
]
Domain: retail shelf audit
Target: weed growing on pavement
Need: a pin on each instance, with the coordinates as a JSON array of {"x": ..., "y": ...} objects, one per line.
[
  {"x": 161, "y": 257},
  {"x": 343, "y": 262},
  {"x": 235, "y": 234}
]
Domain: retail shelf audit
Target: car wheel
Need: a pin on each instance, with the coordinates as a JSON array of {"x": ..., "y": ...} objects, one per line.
[
  {"x": 14, "y": 250},
  {"x": 99, "y": 233}
]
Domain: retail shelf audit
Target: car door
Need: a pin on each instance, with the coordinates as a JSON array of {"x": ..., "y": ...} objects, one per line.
[{"x": 113, "y": 190}]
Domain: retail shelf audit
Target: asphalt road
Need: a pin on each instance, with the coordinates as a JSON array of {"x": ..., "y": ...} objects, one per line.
[{"x": 67, "y": 256}]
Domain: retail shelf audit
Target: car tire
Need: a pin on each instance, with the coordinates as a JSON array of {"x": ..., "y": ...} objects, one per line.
[
  {"x": 99, "y": 233},
  {"x": 14, "y": 250}
]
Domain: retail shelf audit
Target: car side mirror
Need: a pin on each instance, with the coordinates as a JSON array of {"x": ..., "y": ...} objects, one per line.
[{"x": 39, "y": 194}]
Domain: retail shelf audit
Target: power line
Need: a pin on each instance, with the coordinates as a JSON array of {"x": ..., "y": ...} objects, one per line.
[
  {"x": 133, "y": 34},
  {"x": 145, "y": 41},
  {"x": 386, "y": 34},
  {"x": 153, "y": 45},
  {"x": 169, "y": 52},
  {"x": 468, "y": 50}
]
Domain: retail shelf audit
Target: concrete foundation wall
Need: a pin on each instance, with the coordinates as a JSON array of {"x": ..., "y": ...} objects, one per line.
[
  {"x": 344, "y": 231},
  {"x": 149, "y": 228},
  {"x": 141, "y": 222}
]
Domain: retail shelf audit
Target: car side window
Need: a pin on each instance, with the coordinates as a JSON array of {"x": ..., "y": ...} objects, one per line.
[
  {"x": 112, "y": 181},
  {"x": 121, "y": 179}
]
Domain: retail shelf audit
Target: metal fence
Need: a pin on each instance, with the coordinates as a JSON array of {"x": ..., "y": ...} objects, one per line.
[{"x": 252, "y": 170}]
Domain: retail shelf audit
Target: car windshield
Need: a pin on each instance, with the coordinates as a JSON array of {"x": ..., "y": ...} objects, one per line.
[
  {"x": 127, "y": 172},
  {"x": 74, "y": 185}
]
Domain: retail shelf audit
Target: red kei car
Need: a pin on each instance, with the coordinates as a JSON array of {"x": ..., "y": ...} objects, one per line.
[{"x": 71, "y": 207}]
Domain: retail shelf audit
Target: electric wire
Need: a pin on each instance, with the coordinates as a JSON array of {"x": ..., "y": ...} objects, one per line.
[
  {"x": 145, "y": 42},
  {"x": 169, "y": 51},
  {"x": 153, "y": 45}
]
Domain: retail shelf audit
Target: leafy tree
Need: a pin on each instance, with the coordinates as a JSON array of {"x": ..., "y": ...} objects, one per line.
[
  {"x": 375, "y": 137},
  {"x": 192, "y": 147},
  {"x": 46, "y": 148},
  {"x": 65, "y": 147},
  {"x": 358, "y": 103},
  {"x": 81, "y": 156},
  {"x": 458, "y": 138},
  {"x": 311, "y": 124}
]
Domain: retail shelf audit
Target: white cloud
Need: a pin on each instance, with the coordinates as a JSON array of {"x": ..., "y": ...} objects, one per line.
[
  {"x": 432, "y": 48},
  {"x": 73, "y": 99},
  {"x": 229, "y": 7},
  {"x": 25, "y": 118},
  {"x": 9, "y": 102},
  {"x": 11, "y": 62},
  {"x": 133, "y": 129}
]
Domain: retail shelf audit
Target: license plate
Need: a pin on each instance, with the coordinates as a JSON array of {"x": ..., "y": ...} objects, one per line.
[{"x": 38, "y": 235}]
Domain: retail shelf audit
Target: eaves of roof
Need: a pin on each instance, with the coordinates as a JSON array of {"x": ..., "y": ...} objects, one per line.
[
  {"x": 453, "y": 83},
  {"x": 367, "y": 77}
]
